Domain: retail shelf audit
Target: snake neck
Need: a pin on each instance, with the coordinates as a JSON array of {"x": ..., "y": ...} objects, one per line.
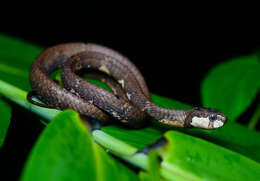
[{"x": 171, "y": 117}]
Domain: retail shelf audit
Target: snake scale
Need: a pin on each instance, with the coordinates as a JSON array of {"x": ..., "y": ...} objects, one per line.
[{"x": 129, "y": 102}]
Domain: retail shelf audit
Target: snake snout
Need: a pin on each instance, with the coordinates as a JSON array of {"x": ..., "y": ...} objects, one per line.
[
  {"x": 222, "y": 118},
  {"x": 219, "y": 122}
]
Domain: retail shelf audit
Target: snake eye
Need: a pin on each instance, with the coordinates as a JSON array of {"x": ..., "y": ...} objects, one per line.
[{"x": 212, "y": 117}]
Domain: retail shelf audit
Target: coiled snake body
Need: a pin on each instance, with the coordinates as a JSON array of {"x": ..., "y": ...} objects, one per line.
[{"x": 130, "y": 102}]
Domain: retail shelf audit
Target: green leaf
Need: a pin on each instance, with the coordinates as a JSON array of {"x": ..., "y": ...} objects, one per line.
[
  {"x": 153, "y": 171},
  {"x": 16, "y": 57},
  {"x": 138, "y": 138},
  {"x": 153, "y": 166},
  {"x": 65, "y": 151},
  {"x": 189, "y": 158},
  {"x": 255, "y": 118},
  {"x": 232, "y": 86},
  {"x": 143, "y": 176},
  {"x": 5, "y": 112},
  {"x": 168, "y": 103},
  {"x": 17, "y": 51},
  {"x": 232, "y": 136}
]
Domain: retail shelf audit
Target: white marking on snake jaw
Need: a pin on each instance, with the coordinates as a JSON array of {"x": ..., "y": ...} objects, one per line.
[
  {"x": 103, "y": 68},
  {"x": 128, "y": 95},
  {"x": 200, "y": 122},
  {"x": 217, "y": 124},
  {"x": 122, "y": 82}
]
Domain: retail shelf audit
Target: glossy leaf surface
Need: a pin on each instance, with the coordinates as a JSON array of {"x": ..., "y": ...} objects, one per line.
[
  {"x": 5, "y": 112},
  {"x": 65, "y": 151},
  {"x": 232, "y": 85},
  {"x": 16, "y": 57},
  {"x": 190, "y": 158}
]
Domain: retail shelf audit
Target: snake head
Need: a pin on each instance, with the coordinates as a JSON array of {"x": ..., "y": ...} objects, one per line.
[{"x": 207, "y": 118}]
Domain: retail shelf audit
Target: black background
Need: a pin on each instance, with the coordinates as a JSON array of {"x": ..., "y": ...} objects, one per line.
[
  {"x": 174, "y": 53},
  {"x": 173, "y": 56}
]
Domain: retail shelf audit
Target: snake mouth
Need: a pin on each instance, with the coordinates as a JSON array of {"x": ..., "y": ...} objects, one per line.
[
  {"x": 219, "y": 122},
  {"x": 222, "y": 118}
]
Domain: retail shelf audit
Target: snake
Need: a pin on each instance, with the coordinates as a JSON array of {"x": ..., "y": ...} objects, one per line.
[{"x": 129, "y": 101}]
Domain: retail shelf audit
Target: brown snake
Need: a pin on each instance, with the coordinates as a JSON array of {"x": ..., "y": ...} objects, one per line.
[{"x": 130, "y": 102}]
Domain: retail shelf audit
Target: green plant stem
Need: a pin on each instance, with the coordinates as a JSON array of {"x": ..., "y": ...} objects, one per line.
[
  {"x": 255, "y": 118},
  {"x": 112, "y": 143},
  {"x": 120, "y": 149},
  {"x": 18, "y": 96}
]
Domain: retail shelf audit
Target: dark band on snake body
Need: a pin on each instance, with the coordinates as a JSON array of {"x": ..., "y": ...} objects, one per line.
[{"x": 95, "y": 102}]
